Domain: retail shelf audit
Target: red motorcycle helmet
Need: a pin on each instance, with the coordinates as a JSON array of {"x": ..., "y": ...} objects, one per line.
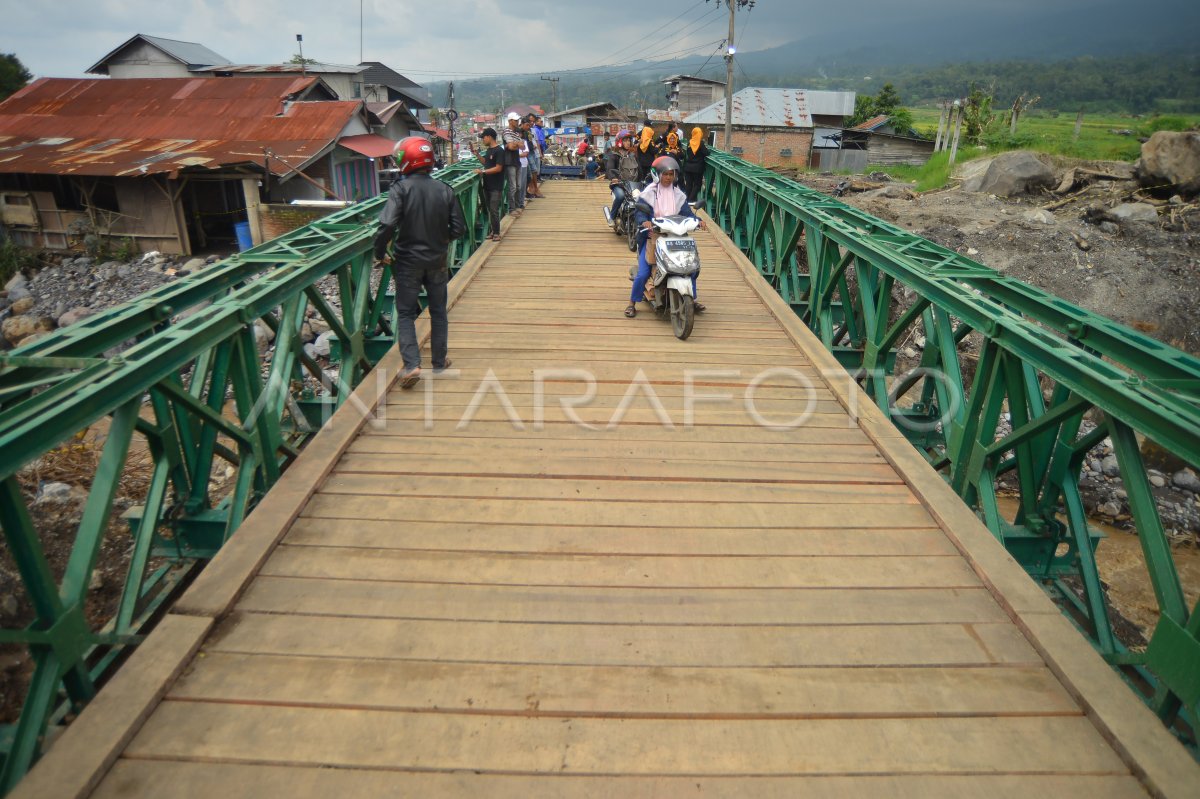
[{"x": 413, "y": 154}]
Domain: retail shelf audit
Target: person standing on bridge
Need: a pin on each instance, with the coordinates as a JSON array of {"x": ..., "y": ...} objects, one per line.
[
  {"x": 423, "y": 216},
  {"x": 512, "y": 164},
  {"x": 647, "y": 151},
  {"x": 493, "y": 179},
  {"x": 695, "y": 158}
]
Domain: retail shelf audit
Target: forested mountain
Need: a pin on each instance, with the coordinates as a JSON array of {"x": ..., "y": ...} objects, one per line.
[{"x": 1114, "y": 57}]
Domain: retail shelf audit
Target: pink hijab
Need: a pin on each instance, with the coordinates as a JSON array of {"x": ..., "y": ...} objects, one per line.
[{"x": 668, "y": 200}]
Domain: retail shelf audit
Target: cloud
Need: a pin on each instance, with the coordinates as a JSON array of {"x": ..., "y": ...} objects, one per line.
[{"x": 450, "y": 37}]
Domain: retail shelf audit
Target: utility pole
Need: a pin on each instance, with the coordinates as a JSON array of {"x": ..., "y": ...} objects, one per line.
[
  {"x": 452, "y": 117},
  {"x": 730, "y": 51},
  {"x": 300, "y": 44},
  {"x": 553, "y": 93},
  {"x": 360, "y": 31}
]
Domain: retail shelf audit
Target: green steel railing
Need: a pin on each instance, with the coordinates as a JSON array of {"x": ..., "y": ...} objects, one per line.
[
  {"x": 1044, "y": 362},
  {"x": 183, "y": 349}
]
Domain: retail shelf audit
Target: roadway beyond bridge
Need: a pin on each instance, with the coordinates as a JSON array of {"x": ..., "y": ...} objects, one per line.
[{"x": 457, "y": 594}]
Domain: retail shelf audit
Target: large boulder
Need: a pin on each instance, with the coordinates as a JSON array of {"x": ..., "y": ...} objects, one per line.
[
  {"x": 1171, "y": 162},
  {"x": 1010, "y": 174}
]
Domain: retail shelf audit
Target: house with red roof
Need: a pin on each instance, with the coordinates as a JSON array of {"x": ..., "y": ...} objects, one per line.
[{"x": 174, "y": 163}]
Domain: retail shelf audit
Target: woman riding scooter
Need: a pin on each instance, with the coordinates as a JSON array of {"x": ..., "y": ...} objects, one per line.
[{"x": 661, "y": 198}]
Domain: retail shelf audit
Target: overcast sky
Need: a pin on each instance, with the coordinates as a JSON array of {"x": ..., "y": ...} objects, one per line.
[{"x": 428, "y": 39}]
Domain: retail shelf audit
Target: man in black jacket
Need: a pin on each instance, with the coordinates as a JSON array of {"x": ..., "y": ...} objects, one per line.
[{"x": 423, "y": 216}]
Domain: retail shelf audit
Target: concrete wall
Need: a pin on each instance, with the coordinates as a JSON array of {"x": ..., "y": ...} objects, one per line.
[
  {"x": 763, "y": 146},
  {"x": 278, "y": 219}
]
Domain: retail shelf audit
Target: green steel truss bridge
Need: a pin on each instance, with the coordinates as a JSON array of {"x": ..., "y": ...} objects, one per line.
[{"x": 900, "y": 595}]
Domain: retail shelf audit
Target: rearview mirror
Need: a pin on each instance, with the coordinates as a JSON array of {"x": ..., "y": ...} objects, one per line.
[{"x": 699, "y": 204}]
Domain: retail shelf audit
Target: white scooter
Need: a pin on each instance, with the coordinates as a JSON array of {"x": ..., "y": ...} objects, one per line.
[{"x": 669, "y": 288}]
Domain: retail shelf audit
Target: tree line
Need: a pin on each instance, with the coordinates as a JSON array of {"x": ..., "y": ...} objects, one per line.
[{"x": 1167, "y": 83}]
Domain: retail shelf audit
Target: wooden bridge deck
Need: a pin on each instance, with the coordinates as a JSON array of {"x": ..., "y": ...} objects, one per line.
[{"x": 716, "y": 610}]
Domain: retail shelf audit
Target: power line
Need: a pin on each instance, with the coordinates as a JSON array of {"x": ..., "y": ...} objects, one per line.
[{"x": 648, "y": 35}]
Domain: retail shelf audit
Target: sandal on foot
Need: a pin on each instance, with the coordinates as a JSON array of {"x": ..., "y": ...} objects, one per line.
[
  {"x": 439, "y": 369},
  {"x": 699, "y": 307},
  {"x": 631, "y": 310},
  {"x": 410, "y": 378}
]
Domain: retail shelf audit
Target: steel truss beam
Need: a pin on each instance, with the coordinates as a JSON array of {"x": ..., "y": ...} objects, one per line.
[
  {"x": 1043, "y": 362},
  {"x": 185, "y": 350}
]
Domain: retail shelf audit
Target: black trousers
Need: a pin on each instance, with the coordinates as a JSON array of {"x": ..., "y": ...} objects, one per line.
[
  {"x": 693, "y": 184},
  {"x": 410, "y": 278},
  {"x": 493, "y": 206}
]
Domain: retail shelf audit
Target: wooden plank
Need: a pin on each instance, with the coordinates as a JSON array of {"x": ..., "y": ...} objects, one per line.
[
  {"x": 604, "y": 691},
  {"x": 436, "y": 741},
  {"x": 610, "y": 393},
  {"x": 521, "y": 377},
  {"x": 769, "y": 459},
  {"x": 455, "y": 397},
  {"x": 553, "y": 605},
  {"x": 78, "y": 760},
  {"x": 680, "y": 490},
  {"x": 498, "y": 536},
  {"x": 682, "y": 440},
  {"x": 599, "y": 513},
  {"x": 620, "y": 570},
  {"x": 501, "y": 537},
  {"x": 813, "y": 471},
  {"x": 491, "y": 410},
  {"x": 776, "y": 646},
  {"x": 144, "y": 779}
]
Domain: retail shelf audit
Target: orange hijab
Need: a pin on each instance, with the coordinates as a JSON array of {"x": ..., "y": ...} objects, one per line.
[
  {"x": 697, "y": 136},
  {"x": 647, "y": 137}
]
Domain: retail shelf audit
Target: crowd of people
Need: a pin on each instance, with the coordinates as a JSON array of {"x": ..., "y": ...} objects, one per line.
[{"x": 512, "y": 163}]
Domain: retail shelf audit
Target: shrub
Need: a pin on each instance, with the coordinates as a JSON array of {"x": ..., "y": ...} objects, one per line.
[{"x": 14, "y": 258}]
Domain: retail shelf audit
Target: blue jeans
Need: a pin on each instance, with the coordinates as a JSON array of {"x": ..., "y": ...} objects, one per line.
[
  {"x": 618, "y": 192},
  {"x": 638, "y": 292}
]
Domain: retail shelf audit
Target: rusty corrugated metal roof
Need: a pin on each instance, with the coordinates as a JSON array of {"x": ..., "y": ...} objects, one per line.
[
  {"x": 163, "y": 125},
  {"x": 873, "y": 123}
]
